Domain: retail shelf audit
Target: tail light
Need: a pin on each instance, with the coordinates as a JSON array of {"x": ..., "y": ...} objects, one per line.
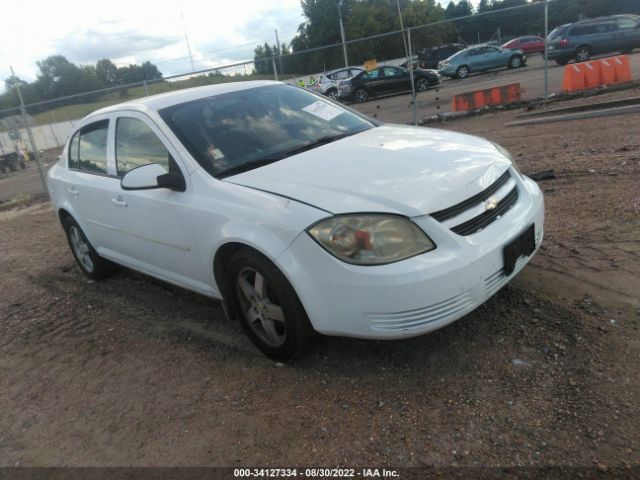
[{"x": 564, "y": 42}]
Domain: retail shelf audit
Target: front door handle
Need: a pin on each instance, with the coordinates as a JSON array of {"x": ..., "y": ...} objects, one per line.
[
  {"x": 73, "y": 191},
  {"x": 119, "y": 201}
]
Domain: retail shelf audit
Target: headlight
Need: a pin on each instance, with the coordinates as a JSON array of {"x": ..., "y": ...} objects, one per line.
[
  {"x": 370, "y": 239},
  {"x": 506, "y": 153}
]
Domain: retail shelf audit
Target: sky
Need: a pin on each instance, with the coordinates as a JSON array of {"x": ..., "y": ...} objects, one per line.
[{"x": 220, "y": 32}]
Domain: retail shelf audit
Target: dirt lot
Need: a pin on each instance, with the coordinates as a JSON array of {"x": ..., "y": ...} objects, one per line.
[{"x": 130, "y": 371}]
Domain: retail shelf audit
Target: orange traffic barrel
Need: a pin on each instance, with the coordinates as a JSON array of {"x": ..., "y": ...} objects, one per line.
[
  {"x": 622, "y": 68},
  {"x": 573, "y": 78},
  {"x": 592, "y": 77},
  {"x": 607, "y": 72}
]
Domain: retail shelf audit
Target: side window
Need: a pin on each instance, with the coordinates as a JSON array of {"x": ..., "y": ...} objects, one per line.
[
  {"x": 391, "y": 72},
  {"x": 373, "y": 74},
  {"x": 342, "y": 75},
  {"x": 73, "y": 151},
  {"x": 137, "y": 145},
  {"x": 92, "y": 148}
]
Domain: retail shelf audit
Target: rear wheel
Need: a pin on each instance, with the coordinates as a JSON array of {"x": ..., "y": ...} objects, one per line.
[
  {"x": 583, "y": 53},
  {"x": 91, "y": 264},
  {"x": 462, "y": 72},
  {"x": 268, "y": 308},
  {"x": 361, "y": 95},
  {"x": 515, "y": 61}
]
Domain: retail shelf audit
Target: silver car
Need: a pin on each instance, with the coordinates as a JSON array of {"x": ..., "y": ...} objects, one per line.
[{"x": 327, "y": 84}]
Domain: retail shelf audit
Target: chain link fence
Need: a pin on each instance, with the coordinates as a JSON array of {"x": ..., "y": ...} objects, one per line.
[{"x": 391, "y": 76}]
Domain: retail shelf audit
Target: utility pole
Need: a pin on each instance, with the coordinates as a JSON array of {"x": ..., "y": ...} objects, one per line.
[
  {"x": 186, "y": 39},
  {"x": 546, "y": 52},
  {"x": 404, "y": 39},
  {"x": 34, "y": 147},
  {"x": 279, "y": 53},
  {"x": 344, "y": 44}
]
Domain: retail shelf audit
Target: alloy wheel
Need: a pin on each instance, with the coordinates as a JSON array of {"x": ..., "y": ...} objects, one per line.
[
  {"x": 421, "y": 85},
  {"x": 583, "y": 54},
  {"x": 80, "y": 248},
  {"x": 261, "y": 309},
  {"x": 361, "y": 96},
  {"x": 463, "y": 72},
  {"x": 515, "y": 62}
]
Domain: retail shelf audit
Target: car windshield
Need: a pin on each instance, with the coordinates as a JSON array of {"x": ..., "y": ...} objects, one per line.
[{"x": 245, "y": 129}]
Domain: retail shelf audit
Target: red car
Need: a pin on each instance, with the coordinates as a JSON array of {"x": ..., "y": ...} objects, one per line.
[{"x": 529, "y": 44}]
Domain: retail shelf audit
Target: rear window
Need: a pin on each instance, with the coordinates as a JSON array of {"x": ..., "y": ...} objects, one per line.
[{"x": 558, "y": 32}]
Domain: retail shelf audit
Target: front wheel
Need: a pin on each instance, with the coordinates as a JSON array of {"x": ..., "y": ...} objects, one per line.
[
  {"x": 422, "y": 84},
  {"x": 267, "y": 305},
  {"x": 515, "y": 61},
  {"x": 91, "y": 264},
  {"x": 361, "y": 95},
  {"x": 562, "y": 61},
  {"x": 462, "y": 72}
]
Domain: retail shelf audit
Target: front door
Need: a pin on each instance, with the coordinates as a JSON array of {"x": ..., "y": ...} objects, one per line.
[{"x": 153, "y": 226}]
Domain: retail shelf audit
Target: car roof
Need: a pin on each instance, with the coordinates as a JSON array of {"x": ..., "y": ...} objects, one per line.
[
  {"x": 606, "y": 18},
  {"x": 164, "y": 100},
  {"x": 329, "y": 72}
]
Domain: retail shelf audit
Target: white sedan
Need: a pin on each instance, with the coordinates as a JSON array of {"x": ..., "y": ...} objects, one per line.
[{"x": 301, "y": 215}]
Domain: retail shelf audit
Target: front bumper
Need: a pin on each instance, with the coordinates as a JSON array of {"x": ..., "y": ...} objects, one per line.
[{"x": 416, "y": 295}]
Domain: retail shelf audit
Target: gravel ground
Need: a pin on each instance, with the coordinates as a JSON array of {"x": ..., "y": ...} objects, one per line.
[{"x": 131, "y": 371}]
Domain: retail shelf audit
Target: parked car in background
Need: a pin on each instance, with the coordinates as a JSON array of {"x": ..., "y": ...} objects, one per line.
[
  {"x": 384, "y": 81},
  {"x": 580, "y": 40},
  {"x": 529, "y": 44},
  {"x": 299, "y": 214},
  {"x": 327, "y": 84},
  {"x": 430, "y": 57},
  {"x": 480, "y": 58}
]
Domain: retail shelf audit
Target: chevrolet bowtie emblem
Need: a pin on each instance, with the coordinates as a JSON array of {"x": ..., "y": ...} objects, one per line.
[{"x": 491, "y": 203}]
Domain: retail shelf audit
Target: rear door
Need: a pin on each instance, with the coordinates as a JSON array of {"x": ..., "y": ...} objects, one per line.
[
  {"x": 89, "y": 182},
  {"x": 374, "y": 81}
]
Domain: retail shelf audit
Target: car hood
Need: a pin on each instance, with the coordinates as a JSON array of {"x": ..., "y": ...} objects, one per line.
[{"x": 410, "y": 171}]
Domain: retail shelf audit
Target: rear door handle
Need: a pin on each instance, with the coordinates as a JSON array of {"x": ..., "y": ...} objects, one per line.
[
  {"x": 73, "y": 191},
  {"x": 119, "y": 201}
]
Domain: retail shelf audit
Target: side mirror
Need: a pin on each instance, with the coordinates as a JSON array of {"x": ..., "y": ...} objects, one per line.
[{"x": 152, "y": 176}]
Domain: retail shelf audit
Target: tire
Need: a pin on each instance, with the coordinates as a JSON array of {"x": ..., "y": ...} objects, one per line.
[
  {"x": 562, "y": 61},
  {"x": 583, "y": 53},
  {"x": 515, "y": 62},
  {"x": 91, "y": 264},
  {"x": 360, "y": 95},
  {"x": 332, "y": 93},
  {"x": 462, "y": 72},
  {"x": 13, "y": 167},
  {"x": 260, "y": 293},
  {"x": 23, "y": 165},
  {"x": 422, "y": 84}
]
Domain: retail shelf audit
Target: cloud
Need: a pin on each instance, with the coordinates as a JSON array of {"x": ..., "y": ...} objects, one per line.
[{"x": 90, "y": 45}]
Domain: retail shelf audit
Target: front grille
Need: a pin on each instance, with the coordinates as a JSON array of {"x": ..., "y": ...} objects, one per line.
[
  {"x": 481, "y": 221},
  {"x": 477, "y": 223}
]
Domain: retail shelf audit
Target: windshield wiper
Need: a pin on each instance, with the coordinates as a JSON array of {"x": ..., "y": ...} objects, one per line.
[
  {"x": 249, "y": 166},
  {"x": 316, "y": 143},
  {"x": 274, "y": 158}
]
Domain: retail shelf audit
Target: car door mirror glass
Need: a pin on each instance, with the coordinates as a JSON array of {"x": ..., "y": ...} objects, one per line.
[{"x": 143, "y": 178}]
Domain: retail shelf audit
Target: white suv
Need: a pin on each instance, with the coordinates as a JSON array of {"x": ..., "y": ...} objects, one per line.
[{"x": 300, "y": 214}]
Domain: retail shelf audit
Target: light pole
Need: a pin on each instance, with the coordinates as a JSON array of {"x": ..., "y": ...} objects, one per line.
[{"x": 344, "y": 44}]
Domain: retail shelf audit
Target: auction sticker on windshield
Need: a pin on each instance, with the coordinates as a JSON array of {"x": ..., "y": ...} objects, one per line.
[{"x": 323, "y": 110}]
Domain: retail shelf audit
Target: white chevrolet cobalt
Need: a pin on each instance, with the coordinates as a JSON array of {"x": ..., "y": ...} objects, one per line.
[{"x": 300, "y": 214}]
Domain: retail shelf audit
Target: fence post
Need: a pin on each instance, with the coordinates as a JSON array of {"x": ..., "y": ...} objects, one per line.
[
  {"x": 546, "y": 53},
  {"x": 275, "y": 70},
  {"x": 34, "y": 147},
  {"x": 344, "y": 44},
  {"x": 413, "y": 85},
  {"x": 146, "y": 88}
]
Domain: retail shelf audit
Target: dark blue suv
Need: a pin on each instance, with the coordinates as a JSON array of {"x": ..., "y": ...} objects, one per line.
[{"x": 581, "y": 40}]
